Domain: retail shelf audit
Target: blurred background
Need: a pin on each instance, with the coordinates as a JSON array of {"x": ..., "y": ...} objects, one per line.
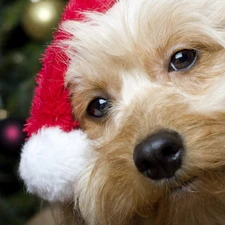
[{"x": 26, "y": 28}]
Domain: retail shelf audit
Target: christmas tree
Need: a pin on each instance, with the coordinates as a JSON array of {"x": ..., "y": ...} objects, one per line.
[{"x": 26, "y": 28}]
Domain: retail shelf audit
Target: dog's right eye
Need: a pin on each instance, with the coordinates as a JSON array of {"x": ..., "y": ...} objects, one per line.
[
  {"x": 98, "y": 107},
  {"x": 183, "y": 60}
]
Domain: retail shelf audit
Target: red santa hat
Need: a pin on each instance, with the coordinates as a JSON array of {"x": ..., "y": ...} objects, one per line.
[{"x": 56, "y": 151}]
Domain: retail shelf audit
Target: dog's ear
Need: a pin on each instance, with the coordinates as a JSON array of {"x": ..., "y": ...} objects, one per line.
[{"x": 56, "y": 150}]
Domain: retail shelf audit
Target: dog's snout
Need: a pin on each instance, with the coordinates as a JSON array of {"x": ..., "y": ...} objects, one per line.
[{"x": 159, "y": 155}]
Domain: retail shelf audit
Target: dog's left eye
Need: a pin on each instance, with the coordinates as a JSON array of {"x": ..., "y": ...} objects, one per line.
[
  {"x": 183, "y": 60},
  {"x": 98, "y": 107}
]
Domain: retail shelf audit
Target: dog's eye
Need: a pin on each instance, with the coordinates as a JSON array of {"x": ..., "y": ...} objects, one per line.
[
  {"x": 98, "y": 107},
  {"x": 183, "y": 60}
]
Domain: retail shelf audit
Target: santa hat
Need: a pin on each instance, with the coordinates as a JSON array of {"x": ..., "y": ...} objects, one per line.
[{"x": 56, "y": 151}]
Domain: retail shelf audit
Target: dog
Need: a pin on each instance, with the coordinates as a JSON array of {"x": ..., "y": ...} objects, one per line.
[{"x": 146, "y": 81}]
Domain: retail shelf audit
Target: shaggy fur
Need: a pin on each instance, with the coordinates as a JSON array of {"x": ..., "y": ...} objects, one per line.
[{"x": 124, "y": 56}]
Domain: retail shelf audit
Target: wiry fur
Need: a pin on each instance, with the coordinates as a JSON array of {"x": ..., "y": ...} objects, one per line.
[{"x": 123, "y": 55}]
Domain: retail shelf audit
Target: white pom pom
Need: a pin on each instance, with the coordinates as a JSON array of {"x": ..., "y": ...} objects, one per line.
[{"x": 51, "y": 162}]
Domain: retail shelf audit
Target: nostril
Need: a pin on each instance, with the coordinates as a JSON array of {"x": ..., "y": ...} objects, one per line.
[{"x": 159, "y": 155}]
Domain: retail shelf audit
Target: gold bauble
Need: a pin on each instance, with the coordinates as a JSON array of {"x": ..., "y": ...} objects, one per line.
[
  {"x": 3, "y": 114},
  {"x": 40, "y": 17}
]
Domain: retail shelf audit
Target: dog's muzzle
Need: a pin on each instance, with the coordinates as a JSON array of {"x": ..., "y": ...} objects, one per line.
[{"x": 159, "y": 155}]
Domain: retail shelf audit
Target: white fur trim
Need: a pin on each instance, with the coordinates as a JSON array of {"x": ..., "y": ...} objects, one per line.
[{"x": 51, "y": 162}]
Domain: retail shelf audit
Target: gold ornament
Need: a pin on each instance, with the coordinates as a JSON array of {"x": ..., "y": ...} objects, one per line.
[
  {"x": 3, "y": 114},
  {"x": 40, "y": 17}
]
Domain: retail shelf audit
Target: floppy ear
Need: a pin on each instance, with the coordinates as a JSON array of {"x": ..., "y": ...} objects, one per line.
[{"x": 56, "y": 151}]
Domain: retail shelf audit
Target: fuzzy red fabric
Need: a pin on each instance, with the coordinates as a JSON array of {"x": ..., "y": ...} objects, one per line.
[{"x": 51, "y": 105}]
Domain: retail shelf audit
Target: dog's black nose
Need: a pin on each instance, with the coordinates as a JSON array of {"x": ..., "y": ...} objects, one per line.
[{"x": 159, "y": 155}]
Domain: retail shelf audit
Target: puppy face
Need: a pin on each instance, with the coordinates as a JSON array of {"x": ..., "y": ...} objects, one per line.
[{"x": 150, "y": 73}]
